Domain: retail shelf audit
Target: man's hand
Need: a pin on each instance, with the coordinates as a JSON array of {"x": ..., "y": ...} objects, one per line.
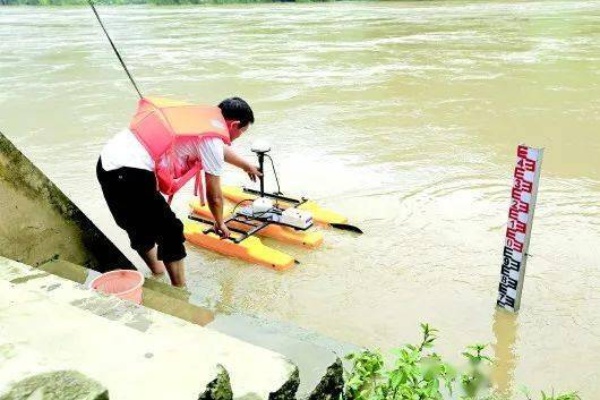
[
  {"x": 253, "y": 172},
  {"x": 222, "y": 230},
  {"x": 214, "y": 196},
  {"x": 232, "y": 158}
]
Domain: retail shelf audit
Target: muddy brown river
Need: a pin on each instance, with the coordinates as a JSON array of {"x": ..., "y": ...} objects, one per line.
[{"x": 403, "y": 116}]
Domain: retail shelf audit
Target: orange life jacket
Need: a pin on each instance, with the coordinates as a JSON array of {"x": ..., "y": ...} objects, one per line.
[{"x": 158, "y": 123}]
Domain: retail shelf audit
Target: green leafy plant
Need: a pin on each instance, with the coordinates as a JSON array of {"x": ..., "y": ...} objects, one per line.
[
  {"x": 474, "y": 380},
  {"x": 418, "y": 373}
]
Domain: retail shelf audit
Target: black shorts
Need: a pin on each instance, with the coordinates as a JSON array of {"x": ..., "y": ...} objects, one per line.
[{"x": 142, "y": 211}]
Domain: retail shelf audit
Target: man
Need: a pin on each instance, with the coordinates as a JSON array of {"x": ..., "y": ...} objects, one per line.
[{"x": 166, "y": 145}]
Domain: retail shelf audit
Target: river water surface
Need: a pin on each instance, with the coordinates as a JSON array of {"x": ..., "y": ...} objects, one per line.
[{"x": 403, "y": 116}]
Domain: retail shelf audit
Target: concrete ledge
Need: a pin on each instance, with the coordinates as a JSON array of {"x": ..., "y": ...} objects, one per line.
[{"x": 49, "y": 323}]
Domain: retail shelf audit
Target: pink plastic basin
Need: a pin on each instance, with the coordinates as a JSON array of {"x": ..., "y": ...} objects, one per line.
[{"x": 123, "y": 283}]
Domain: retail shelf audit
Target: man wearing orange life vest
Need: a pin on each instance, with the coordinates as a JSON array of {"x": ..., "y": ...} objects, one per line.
[{"x": 166, "y": 145}]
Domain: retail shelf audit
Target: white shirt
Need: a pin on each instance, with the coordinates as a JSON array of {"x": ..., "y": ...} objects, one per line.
[{"x": 125, "y": 150}]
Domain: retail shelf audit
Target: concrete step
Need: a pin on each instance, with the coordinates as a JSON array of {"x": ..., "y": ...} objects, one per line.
[
  {"x": 311, "y": 352},
  {"x": 156, "y": 295},
  {"x": 49, "y": 323}
]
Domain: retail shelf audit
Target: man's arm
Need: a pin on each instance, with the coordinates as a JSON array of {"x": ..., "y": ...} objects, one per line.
[
  {"x": 233, "y": 158},
  {"x": 214, "y": 197}
]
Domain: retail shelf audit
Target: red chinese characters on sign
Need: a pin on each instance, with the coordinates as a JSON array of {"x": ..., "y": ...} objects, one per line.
[{"x": 522, "y": 191}]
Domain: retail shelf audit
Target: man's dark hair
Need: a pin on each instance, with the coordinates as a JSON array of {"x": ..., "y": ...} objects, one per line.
[{"x": 236, "y": 109}]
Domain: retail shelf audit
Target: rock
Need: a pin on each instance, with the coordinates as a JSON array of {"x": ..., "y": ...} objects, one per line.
[
  {"x": 58, "y": 385},
  {"x": 331, "y": 385},
  {"x": 219, "y": 388},
  {"x": 289, "y": 389}
]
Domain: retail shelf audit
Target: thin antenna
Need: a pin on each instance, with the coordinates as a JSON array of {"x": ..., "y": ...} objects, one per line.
[{"x": 115, "y": 49}]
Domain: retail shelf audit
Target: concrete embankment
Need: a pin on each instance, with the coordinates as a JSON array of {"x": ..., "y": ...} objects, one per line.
[
  {"x": 55, "y": 332},
  {"x": 38, "y": 222}
]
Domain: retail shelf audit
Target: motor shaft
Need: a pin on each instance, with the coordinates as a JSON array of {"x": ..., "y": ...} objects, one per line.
[{"x": 261, "y": 163}]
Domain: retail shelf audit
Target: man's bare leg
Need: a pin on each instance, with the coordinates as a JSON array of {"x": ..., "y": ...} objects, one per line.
[
  {"x": 176, "y": 271},
  {"x": 151, "y": 259}
]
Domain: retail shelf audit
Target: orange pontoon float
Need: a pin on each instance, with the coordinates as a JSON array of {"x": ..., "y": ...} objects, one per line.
[{"x": 239, "y": 245}]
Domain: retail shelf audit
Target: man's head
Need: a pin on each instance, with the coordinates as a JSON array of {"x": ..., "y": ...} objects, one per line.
[{"x": 237, "y": 114}]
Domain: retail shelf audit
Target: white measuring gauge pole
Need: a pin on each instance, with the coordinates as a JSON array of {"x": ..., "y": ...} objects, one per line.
[{"x": 520, "y": 221}]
